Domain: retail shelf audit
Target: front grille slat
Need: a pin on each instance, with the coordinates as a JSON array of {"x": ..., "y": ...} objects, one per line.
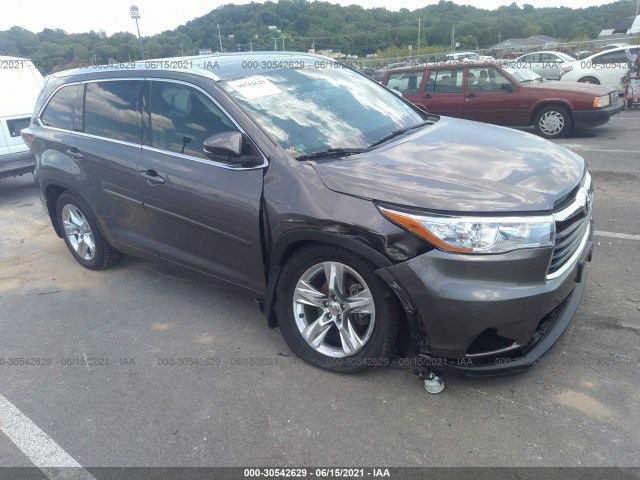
[
  {"x": 567, "y": 232},
  {"x": 558, "y": 259},
  {"x": 572, "y": 224},
  {"x": 569, "y": 240}
]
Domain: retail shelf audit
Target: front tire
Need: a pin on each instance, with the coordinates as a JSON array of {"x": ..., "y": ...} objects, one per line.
[
  {"x": 334, "y": 311},
  {"x": 591, "y": 80},
  {"x": 553, "y": 121},
  {"x": 82, "y": 235}
]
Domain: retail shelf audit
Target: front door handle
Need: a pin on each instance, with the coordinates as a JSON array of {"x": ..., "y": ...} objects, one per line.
[
  {"x": 471, "y": 95},
  {"x": 74, "y": 152},
  {"x": 152, "y": 177},
  {"x": 426, "y": 95}
]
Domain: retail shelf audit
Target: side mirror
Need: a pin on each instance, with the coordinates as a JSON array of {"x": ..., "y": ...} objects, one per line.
[
  {"x": 225, "y": 144},
  {"x": 508, "y": 87},
  {"x": 396, "y": 91}
]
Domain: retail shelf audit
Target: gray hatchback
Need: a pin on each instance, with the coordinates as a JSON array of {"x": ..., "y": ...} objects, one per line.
[{"x": 351, "y": 214}]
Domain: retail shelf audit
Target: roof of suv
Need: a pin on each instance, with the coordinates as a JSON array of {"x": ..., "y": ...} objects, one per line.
[{"x": 219, "y": 66}]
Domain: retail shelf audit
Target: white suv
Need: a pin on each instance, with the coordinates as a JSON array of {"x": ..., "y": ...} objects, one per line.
[{"x": 604, "y": 68}]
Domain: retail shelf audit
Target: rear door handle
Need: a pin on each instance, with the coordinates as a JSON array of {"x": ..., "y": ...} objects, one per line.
[
  {"x": 74, "y": 152},
  {"x": 471, "y": 95},
  {"x": 152, "y": 177},
  {"x": 426, "y": 95}
]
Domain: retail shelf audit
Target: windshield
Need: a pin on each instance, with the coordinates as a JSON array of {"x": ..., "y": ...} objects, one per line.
[
  {"x": 523, "y": 75},
  {"x": 308, "y": 110}
]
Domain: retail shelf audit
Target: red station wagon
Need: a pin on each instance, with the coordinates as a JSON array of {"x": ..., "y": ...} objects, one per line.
[{"x": 488, "y": 92}]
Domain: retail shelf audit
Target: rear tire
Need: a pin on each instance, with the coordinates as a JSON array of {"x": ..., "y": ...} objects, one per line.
[
  {"x": 82, "y": 234},
  {"x": 553, "y": 121},
  {"x": 334, "y": 311}
]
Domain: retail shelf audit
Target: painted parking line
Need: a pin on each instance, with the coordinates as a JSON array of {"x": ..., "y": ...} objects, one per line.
[
  {"x": 39, "y": 448},
  {"x": 624, "y": 236},
  {"x": 586, "y": 148}
]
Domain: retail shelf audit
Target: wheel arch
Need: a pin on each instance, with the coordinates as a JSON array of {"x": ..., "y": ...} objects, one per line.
[
  {"x": 51, "y": 193},
  {"x": 582, "y": 77},
  {"x": 293, "y": 240}
]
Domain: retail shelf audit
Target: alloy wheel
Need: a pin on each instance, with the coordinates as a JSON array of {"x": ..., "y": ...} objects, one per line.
[
  {"x": 334, "y": 309},
  {"x": 78, "y": 232}
]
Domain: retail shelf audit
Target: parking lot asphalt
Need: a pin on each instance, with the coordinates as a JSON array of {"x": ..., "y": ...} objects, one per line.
[{"x": 256, "y": 404}]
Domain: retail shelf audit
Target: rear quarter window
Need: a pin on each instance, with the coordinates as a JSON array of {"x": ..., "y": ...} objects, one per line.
[{"x": 60, "y": 110}]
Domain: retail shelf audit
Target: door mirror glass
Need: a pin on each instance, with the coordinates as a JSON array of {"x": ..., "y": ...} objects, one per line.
[{"x": 226, "y": 144}]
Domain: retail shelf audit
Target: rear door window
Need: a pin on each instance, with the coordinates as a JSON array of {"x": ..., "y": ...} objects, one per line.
[
  {"x": 60, "y": 110},
  {"x": 611, "y": 57},
  {"x": 532, "y": 58},
  {"x": 111, "y": 110},
  {"x": 445, "y": 80}
]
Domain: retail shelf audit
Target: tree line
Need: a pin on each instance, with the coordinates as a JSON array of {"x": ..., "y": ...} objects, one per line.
[{"x": 302, "y": 24}]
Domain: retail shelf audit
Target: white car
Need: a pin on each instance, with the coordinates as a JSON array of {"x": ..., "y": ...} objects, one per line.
[
  {"x": 20, "y": 83},
  {"x": 604, "y": 68},
  {"x": 613, "y": 45},
  {"x": 462, "y": 57},
  {"x": 547, "y": 64}
]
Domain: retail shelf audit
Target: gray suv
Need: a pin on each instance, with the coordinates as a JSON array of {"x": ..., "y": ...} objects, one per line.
[{"x": 349, "y": 213}]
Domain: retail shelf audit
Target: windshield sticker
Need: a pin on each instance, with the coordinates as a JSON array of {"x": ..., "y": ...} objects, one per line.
[{"x": 255, "y": 87}]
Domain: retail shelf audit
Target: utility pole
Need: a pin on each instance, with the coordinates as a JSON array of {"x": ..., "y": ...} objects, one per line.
[
  {"x": 283, "y": 43},
  {"x": 219, "y": 38},
  {"x": 453, "y": 38},
  {"x": 418, "y": 45},
  {"x": 275, "y": 44}
]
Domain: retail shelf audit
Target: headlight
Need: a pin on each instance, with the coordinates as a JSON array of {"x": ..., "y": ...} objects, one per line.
[
  {"x": 478, "y": 234},
  {"x": 603, "y": 101}
]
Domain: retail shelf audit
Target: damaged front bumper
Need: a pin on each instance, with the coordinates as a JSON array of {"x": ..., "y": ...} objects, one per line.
[{"x": 489, "y": 314}]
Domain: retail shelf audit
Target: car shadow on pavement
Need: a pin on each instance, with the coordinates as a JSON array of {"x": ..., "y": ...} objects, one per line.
[{"x": 16, "y": 190}]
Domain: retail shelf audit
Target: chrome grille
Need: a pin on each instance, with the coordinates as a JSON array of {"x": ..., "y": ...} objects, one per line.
[
  {"x": 572, "y": 229},
  {"x": 615, "y": 98}
]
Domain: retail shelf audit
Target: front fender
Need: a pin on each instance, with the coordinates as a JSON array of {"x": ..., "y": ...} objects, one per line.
[{"x": 294, "y": 239}]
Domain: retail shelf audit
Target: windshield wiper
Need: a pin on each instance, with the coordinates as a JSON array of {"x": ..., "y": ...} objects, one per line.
[
  {"x": 400, "y": 132},
  {"x": 332, "y": 152}
]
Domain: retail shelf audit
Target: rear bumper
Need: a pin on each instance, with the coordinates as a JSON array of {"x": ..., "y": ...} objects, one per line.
[
  {"x": 16, "y": 164},
  {"x": 489, "y": 315},
  {"x": 595, "y": 118}
]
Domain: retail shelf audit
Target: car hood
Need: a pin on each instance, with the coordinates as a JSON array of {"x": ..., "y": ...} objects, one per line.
[
  {"x": 459, "y": 165},
  {"x": 554, "y": 85}
]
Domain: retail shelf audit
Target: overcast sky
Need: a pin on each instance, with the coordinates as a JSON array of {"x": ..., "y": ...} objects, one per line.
[{"x": 113, "y": 15}]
